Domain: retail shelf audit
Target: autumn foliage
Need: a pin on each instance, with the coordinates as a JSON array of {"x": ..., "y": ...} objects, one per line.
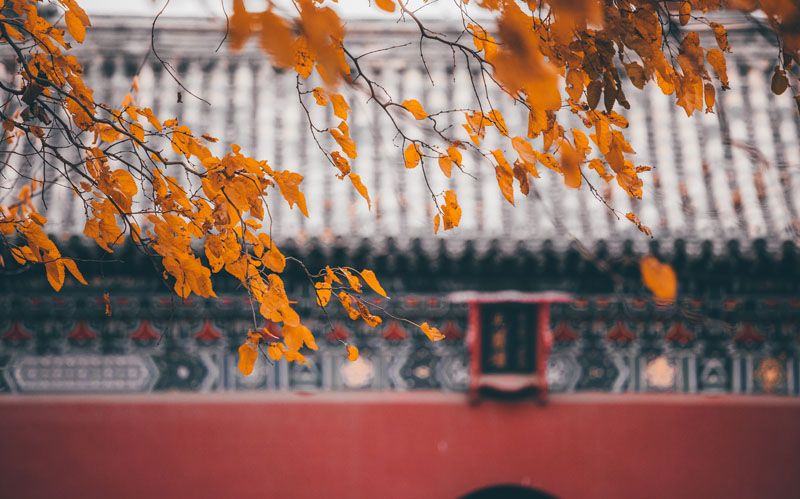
[{"x": 548, "y": 57}]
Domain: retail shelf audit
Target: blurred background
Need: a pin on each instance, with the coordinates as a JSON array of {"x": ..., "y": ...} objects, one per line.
[{"x": 694, "y": 398}]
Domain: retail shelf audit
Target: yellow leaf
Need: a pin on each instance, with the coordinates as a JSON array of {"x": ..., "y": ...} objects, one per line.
[
  {"x": 570, "y": 165},
  {"x": 451, "y": 211},
  {"x": 340, "y": 106},
  {"x": 454, "y": 154},
  {"x": 273, "y": 259},
  {"x": 659, "y": 278},
  {"x": 370, "y": 319},
  {"x": 308, "y": 339},
  {"x": 665, "y": 84},
  {"x": 289, "y": 184},
  {"x": 436, "y": 222},
  {"x": 330, "y": 276},
  {"x": 446, "y": 161},
  {"x": 446, "y": 165},
  {"x": 496, "y": 117},
  {"x": 277, "y": 39},
  {"x": 597, "y": 165},
  {"x": 341, "y": 163},
  {"x": 296, "y": 336},
  {"x": 75, "y": 26},
  {"x": 347, "y": 304},
  {"x": 388, "y": 6},
  {"x": 432, "y": 333},
  {"x": 323, "y": 292},
  {"x": 643, "y": 228},
  {"x": 247, "y": 358},
  {"x": 137, "y": 131},
  {"x": 303, "y": 59},
  {"x": 275, "y": 351},
  {"x": 342, "y": 136},
  {"x": 411, "y": 155},
  {"x": 524, "y": 149},
  {"x": 505, "y": 175},
  {"x": 360, "y": 187},
  {"x": 716, "y": 58},
  {"x": 55, "y": 274},
  {"x": 240, "y": 25},
  {"x": 73, "y": 269},
  {"x": 414, "y": 107},
  {"x": 353, "y": 281},
  {"x": 38, "y": 218},
  {"x": 372, "y": 281},
  {"x": 320, "y": 96},
  {"x": 617, "y": 119},
  {"x": 352, "y": 353},
  {"x": 151, "y": 118}
]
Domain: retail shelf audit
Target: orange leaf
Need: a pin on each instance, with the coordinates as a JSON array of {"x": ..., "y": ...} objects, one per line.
[
  {"x": 372, "y": 281},
  {"x": 353, "y": 281},
  {"x": 342, "y": 136},
  {"x": 451, "y": 210},
  {"x": 709, "y": 95},
  {"x": 505, "y": 175},
  {"x": 352, "y": 353},
  {"x": 659, "y": 278},
  {"x": 360, "y": 187},
  {"x": 277, "y": 39},
  {"x": 247, "y": 358},
  {"x": 296, "y": 336},
  {"x": 347, "y": 304},
  {"x": 446, "y": 161},
  {"x": 323, "y": 292},
  {"x": 340, "y": 106},
  {"x": 73, "y": 269},
  {"x": 75, "y": 26},
  {"x": 570, "y": 165},
  {"x": 524, "y": 149},
  {"x": 55, "y": 274},
  {"x": 432, "y": 333},
  {"x": 289, "y": 185},
  {"x": 414, "y": 107},
  {"x": 272, "y": 258},
  {"x": 411, "y": 155},
  {"x": 388, "y": 6},
  {"x": 446, "y": 165},
  {"x": 320, "y": 96},
  {"x": 643, "y": 228},
  {"x": 341, "y": 163},
  {"x": 716, "y": 58},
  {"x": 275, "y": 351}
]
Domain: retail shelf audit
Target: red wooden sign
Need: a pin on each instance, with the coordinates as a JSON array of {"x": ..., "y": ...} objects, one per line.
[{"x": 509, "y": 341}]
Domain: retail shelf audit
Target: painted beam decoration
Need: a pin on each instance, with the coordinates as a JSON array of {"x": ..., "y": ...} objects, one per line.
[{"x": 610, "y": 343}]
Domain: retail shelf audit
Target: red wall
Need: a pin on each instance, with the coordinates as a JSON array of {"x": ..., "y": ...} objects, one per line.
[{"x": 394, "y": 445}]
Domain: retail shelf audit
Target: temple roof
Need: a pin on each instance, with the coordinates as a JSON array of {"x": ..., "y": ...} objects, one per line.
[{"x": 733, "y": 175}]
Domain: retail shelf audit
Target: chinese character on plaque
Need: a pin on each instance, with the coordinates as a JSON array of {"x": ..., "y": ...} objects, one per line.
[{"x": 509, "y": 340}]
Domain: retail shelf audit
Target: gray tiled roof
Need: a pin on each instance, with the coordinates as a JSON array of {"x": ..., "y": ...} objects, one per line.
[{"x": 732, "y": 175}]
